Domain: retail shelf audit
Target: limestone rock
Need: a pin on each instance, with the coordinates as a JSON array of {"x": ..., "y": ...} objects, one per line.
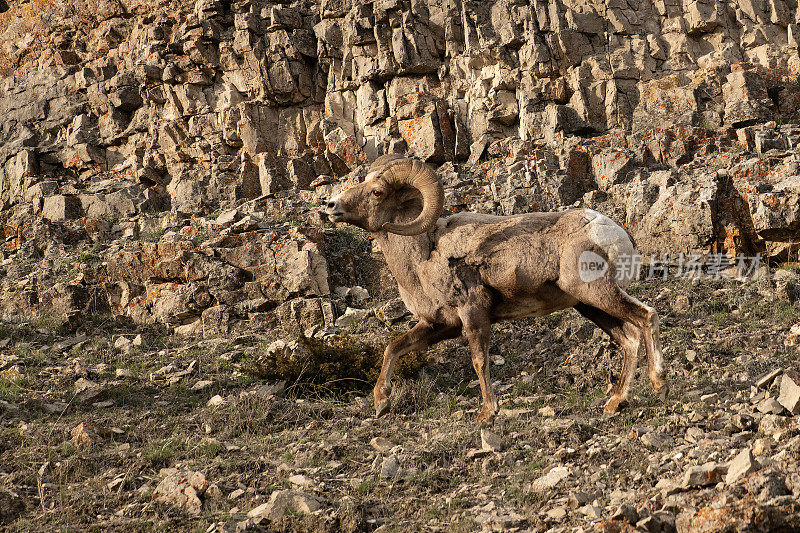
[
  {"x": 215, "y": 401},
  {"x": 491, "y": 441},
  {"x": 742, "y": 465},
  {"x": 611, "y": 168},
  {"x": 302, "y": 270},
  {"x": 790, "y": 392},
  {"x": 423, "y": 137},
  {"x": 282, "y": 502},
  {"x": 381, "y": 444},
  {"x": 555, "y": 476},
  {"x": 216, "y": 320},
  {"x": 352, "y": 317},
  {"x": 792, "y": 336},
  {"x": 84, "y": 434},
  {"x": 707, "y": 474},
  {"x": 656, "y": 439},
  {"x": 746, "y": 98},
  {"x": 770, "y": 406},
  {"x": 181, "y": 489},
  {"x": 58, "y": 208},
  {"x": 302, "y": 314},
  {"x": 389, "y": 467}
]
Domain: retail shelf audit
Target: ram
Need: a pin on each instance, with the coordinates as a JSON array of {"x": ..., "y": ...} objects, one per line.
[{"x": 460, "y": 274}]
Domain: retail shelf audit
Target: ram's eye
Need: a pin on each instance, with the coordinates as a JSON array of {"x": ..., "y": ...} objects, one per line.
[{"x": 377, "y": 193}]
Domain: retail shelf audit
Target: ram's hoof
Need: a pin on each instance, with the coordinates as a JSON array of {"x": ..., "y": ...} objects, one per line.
[
  {"x": 663, "y": 392},
  {"x": 615, "y": 404},
  {"x": 382, "y": 408},
  {"x": 485, "y": 417}
]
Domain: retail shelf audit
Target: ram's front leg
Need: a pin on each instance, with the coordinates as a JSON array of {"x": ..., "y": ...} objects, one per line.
[
  {"x": 419, "y": 337},
  {"x": 477, "y": 328}
]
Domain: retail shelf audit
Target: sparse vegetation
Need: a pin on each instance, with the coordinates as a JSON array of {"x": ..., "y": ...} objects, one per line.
[
  {"x": 343, "y": 362},
  {"x": 163, "y": 115},
  {"x": 160, "y": 453},
  {"x": 12, "y": 388},
  {"x": 315, "y": 426}
]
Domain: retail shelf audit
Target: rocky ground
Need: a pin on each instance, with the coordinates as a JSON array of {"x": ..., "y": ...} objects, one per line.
[
  {"x": 185, "y": 343},
  {"x": 120, "y": 427}
]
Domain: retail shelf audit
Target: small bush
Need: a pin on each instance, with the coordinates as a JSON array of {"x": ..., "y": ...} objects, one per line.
[
  {"x": 341, "y": 364},
  {"x": 90, "y": 258},
  {"x": 159, "y": 454},
  {"x": 11, "y": 389}
]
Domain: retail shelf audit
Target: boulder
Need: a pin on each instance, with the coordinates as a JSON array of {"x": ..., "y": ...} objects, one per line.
[
  {"x": 612, "y": 167},
  {"x": 681, "y": 219},
  {"x": 344, "y": 148},
  {"x": 182, "y": 489},
  {"x": 790, "y": 392},
  {"x": 302, "y": 270},
  {"x": 707, "y": 474},
  {"x": 300, "y": 314},
  {"x": 775, "y": 206},
  {"x": 745, "y": 96},
  {"x": 216, "y": 320},
  {"x": 282, "y": 502},
  {"x": 60, "y": 207},
  {"x": 423, "y": 137}
]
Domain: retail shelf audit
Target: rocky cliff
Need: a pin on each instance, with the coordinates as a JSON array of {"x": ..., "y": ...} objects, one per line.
[{"x": 129, "y": 127}]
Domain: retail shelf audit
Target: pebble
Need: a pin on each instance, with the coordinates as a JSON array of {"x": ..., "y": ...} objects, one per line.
[
  {"x": 557, "y": 513},
  {"x": 769, "y": 406},
  {"x": 592, "y": 511},
  {"x": 491, "y": 442},
  {"x": 790, "y": 392},
  {"x": 548, "y": 481},
  {"x": 656, "y": 439},
  {"x": 390, "y": 467},
  {"x": 765, "y": 380},
  {"x": 215, "y": 401},
  {"x": 381, "y": 444},
  {"x": 547, "y": 411},
  {"x": 627, "y": 513},
  {"x": 202, "y": 384}
]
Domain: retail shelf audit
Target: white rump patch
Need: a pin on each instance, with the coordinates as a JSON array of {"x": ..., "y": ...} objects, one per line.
[
  {"x": 613, "y": 239},
  {"x": 591, "y": 266}
]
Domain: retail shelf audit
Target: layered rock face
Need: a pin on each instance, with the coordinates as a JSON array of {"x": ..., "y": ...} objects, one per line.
[{"x": 127, "y": 124}]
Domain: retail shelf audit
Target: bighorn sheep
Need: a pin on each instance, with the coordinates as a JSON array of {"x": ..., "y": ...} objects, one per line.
[{"x": 460, "y": 274}]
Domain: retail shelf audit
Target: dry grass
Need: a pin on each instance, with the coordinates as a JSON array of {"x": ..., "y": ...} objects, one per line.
[{"x": 255, "y": 440}]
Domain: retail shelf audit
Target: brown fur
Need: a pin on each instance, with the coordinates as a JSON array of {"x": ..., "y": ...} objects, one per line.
[{"x": 471, "y": 270}]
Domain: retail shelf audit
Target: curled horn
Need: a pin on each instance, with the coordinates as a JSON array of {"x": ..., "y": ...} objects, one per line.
[{"x": 416, "y": 174}]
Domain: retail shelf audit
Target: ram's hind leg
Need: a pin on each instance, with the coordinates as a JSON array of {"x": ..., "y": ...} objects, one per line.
[
  {"x": 655, "y": 358},
  {"x": 636, "y": 323},
  {"x": 645, "y": 319},
  {"x": 627, "y": 337},
  {"x": 419, "y": 337}
]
